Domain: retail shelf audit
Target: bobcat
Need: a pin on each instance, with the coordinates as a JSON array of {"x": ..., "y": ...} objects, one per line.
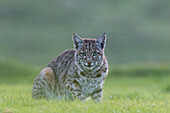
[{"x": 76, "y": 73}]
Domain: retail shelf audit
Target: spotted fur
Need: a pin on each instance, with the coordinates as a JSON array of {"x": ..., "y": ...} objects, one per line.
[{"x": 76, "y": 73}]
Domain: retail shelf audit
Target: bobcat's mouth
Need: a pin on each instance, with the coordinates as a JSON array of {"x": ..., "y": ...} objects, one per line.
[{"x": 89, "y": 64}]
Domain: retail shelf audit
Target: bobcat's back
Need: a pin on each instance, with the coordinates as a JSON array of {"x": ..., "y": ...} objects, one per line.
[{"x": 62, "y": 63}]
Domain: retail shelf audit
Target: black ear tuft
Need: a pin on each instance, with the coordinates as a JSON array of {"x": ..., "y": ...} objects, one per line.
[
  {"x": 77, "y": 41},
  {"x": 102, "y": 45}
]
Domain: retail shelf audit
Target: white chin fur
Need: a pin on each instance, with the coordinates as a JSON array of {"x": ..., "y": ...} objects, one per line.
[{"x": 89, "y": 68}]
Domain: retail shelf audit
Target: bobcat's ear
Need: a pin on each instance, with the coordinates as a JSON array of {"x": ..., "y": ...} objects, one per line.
[
  {"x": 77, "y": 41},
  {"x": 101, "y": 41}
]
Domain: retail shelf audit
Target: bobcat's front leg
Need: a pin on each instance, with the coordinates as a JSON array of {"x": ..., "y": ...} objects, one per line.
[
  {"x": 97, "y": 94},
  {"x": 74, "y": 88}
]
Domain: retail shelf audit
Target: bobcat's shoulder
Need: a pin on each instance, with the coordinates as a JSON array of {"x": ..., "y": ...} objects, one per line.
[{"x": 62, "y": 63}]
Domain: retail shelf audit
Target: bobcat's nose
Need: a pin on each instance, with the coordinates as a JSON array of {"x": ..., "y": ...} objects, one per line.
[{"x": 89, "y": 64}]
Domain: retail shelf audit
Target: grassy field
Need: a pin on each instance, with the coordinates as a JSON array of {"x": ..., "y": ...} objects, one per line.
[{"x": 128, "y": 88}]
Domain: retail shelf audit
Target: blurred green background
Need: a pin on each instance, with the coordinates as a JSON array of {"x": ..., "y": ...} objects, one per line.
[{"x": 35, "y": 31}]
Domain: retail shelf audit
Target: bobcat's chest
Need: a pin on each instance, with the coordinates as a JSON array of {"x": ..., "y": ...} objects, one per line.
[{"x": 88, "y": 85}]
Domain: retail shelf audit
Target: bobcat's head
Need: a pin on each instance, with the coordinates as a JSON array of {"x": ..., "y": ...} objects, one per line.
[{"x": 89, "y": 52}]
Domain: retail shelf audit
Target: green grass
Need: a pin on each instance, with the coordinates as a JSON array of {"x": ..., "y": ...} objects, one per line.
[{"x": 128, "y": 89}]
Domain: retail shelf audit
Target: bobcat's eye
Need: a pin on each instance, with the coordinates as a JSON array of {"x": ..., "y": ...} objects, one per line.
[
  {"x": 83, "y": 54},
  {"x": 95, "y": 54}
]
